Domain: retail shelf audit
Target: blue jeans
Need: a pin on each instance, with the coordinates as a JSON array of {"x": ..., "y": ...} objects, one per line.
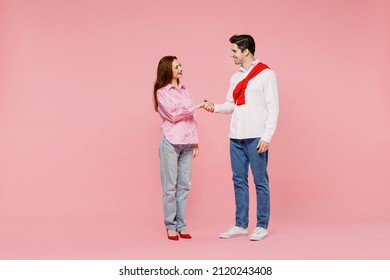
[
  {"x": 175, "y": 171},
  {"x": 243, "y": 153}
]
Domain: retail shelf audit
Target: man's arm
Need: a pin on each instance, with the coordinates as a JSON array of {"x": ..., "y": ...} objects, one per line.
[
  {"x": 225, "y": 108},
  {"x": 271, "y": 104},
  {"x": 272, "y": 107}
]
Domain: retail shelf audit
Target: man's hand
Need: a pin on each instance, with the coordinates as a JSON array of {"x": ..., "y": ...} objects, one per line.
[
  {"x": 208, "y": 106},
  {"x": 262, "y": 146}
]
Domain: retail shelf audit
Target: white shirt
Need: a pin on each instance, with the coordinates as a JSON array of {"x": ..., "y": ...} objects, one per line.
[{"x": 258, "y": 116}]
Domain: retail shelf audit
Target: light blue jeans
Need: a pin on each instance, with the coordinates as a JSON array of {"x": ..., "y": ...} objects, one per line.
[
  {"x": 243, "y": 153},
  {"x": 175, "y": 171}
]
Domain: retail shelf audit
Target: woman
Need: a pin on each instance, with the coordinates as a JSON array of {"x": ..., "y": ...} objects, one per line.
[{"x": 179, "y": 143}]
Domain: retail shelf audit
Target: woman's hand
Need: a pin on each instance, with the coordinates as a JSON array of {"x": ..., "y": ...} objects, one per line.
[
  {"x": 195, "y": 150},
  {"x": 200, "y": 105},
  {"x": 208, "y": 106}
]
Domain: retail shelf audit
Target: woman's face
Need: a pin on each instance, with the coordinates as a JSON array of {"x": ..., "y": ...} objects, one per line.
[{"x": 176, "y": 69}]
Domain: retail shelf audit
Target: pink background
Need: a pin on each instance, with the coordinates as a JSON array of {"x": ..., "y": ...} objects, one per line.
[{"x": 79, "y": 169}]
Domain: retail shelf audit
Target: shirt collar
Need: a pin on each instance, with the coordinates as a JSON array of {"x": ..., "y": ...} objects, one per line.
[
  {"x": 181, "y": 86},
  {"x": 242, "y": 69}
]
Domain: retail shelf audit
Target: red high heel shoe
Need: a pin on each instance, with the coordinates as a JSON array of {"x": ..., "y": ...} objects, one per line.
[
  {"x": 185, "y": 235},
  {"x": 172, "y": 237}
]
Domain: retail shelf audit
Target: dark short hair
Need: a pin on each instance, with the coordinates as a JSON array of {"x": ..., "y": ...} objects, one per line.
[{"x": 244, "y": 42}]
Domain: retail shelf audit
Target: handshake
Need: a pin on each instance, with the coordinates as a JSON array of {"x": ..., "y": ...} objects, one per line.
[{"x": 207, "y": 105}]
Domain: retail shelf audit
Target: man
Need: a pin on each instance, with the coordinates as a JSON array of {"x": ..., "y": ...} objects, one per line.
[{"x": 253, "y": 101}]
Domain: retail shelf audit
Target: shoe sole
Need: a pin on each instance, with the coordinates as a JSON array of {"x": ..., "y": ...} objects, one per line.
[
  {"x": 258, "y": 239},
  {"x": 231, "y": 236}
]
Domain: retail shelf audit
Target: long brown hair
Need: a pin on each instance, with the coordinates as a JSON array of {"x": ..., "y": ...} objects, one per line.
[{"x": 164, "y": 76}]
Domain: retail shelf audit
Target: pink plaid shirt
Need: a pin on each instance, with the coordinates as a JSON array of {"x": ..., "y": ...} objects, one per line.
[{"x": 176, "y": 108}]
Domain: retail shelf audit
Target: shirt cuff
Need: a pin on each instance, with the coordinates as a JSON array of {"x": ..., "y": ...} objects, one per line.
[
  {"x": 217, "y": 108},
  {"x": 266, "y": 138}
]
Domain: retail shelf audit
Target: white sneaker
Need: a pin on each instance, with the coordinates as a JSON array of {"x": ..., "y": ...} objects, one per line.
[
  {"x": 258, "y": 234},
  {"x": 234, "y": 231}
]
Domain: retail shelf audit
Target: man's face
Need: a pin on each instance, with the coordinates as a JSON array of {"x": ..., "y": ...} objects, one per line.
[
  {"x": 176, "y": 69},
  {"x": 237, "y": 55}
]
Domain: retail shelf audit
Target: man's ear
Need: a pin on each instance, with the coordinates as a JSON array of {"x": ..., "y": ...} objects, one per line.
[{"x": 246, "y": 52}]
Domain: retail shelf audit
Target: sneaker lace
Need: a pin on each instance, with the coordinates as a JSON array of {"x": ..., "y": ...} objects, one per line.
[
  {"x": 258, "y": 230},
  {"x": 234, "y": 229}
]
